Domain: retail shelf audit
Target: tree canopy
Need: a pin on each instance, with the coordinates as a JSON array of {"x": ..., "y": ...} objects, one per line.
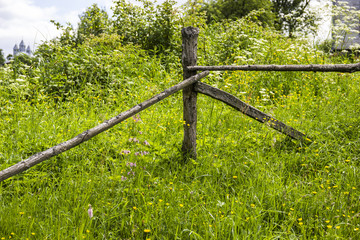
[{"x": 233, "y": 9}]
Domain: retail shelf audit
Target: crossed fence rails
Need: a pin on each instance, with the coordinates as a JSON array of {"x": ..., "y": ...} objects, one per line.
[{"x": 190, "y": 86}]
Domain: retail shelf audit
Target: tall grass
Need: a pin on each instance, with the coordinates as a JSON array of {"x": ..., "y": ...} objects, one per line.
[{"x": 249, "y": 181}]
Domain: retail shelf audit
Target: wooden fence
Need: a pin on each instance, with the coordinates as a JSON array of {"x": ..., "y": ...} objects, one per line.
[{"x": 191, "y": 86}]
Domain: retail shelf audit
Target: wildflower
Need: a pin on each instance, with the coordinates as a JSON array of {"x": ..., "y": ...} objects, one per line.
[
  {"x": 234, "y": 177},
  {"x": 252, "y": 205},
  {"x": 125, "y": 152},
  {"x": 181, "y": 205},
  {"x": 337, "y": 227},
  {"x": 134, "y": 208},
  {"x": 314, "y": 193},
  {"x": 21, "y": 213},
  {"x": 123, "y": 178},
  {"x": 147, "y": 230},
  {"x": 131, "y": 164},
  {"x": 167, "y": 204},
  {"x": 300, "y": 219},
  {"x": 356, "y": 229},
  {"x": 135, "y": 140},
  {"x": 146, "y": 143},
  {"x": 90, "y": 211},
  {"x": 32, "y": 233},
  {"x": 329, "y": 226},
  {"x": 301, "y": 223},
  {"x": 327, "y": 221},
  {"x": 136, "y": 118}
]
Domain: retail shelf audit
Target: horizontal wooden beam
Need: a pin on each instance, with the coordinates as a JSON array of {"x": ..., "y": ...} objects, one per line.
[
  {"x": 348, "y": 68},
  {"x": 248, "y": 110},
  {"x": 62, "y": 147}
]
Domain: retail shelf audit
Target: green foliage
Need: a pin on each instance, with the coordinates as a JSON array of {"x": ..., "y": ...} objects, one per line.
[
  {"x": 94, "y": 21},
  {"x": 248, "y": 180},
  {"x": 153, "y": 27},
  {"x": 294, "y": 16},
  {"x": 217, "y": 10},
  {"x": 100, "y": 60}
]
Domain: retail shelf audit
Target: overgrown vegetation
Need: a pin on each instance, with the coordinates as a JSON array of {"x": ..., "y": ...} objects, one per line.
[{"x": 249, "y": 182}]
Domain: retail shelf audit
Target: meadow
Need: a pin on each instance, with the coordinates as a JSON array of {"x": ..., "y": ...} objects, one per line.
[{"x": 248, "y": 182}]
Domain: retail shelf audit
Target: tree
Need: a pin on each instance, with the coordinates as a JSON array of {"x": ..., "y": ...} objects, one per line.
[
  {"x": 292, "y": 15},
  {"x": 217, "y": 10},
  {"x": 94, "y": 21},
  {"x": 151, "y": 26},
  {"x": 2, "y": 59}
]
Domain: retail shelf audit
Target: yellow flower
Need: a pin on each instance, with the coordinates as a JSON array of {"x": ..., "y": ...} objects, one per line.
[
  {"x": 337, "y": 227},
  {"x": 147, "y": 230},
  {"x": 329, "y": 226},
  {"x": 327, "y": 221},
  {"x": 134, "y": 208},
  {"x": 234, "y": 177},
  {"x": 300, "y": 219},
  {"x": 300, "y": 223},
  {"x": 252, "y": 205},
  {"x": 181, "y": 205}
]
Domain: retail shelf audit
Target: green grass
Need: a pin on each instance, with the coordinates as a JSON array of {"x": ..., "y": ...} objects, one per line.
[{"x": 248, "y": 182}]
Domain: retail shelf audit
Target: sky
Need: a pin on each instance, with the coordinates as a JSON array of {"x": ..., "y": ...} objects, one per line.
[{"x": 29, "y": 20}]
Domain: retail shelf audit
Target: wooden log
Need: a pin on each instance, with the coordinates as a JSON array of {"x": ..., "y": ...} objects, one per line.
[
  {"x": 346, "y": 68},
  {"x": 189, "y": 58},
  {"x": 62, "y": 147},
  {"x": 248, "y": 110}
]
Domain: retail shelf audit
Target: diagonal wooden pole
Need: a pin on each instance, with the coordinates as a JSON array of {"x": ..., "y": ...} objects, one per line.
[
  {"x": 248, "y": 110},
  {"x": 62, "y": 147}
]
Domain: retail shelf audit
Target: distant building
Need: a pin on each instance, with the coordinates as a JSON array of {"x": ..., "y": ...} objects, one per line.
[{"x": 21, "y": 49}]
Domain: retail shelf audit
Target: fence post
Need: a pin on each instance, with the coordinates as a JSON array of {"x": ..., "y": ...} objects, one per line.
[{"x": 189, "y": 58}]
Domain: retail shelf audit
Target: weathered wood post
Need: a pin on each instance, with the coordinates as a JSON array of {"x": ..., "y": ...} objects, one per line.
[{"x": 189, "y": 58}]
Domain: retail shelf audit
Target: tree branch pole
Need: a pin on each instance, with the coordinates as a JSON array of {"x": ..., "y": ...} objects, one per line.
[
  {"x": 249, "y": 110},
  {"x": 189, "y": 58},
  {"x": 62, "y": 147},
  {"x": 346, "y": 68}
]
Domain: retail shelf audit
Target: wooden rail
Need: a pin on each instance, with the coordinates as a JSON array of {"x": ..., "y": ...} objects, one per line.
[
  {"x": 248, "y": 110},
  {"x": 347, "y": 68},
  {"x": 62, "y": 147},
  {"x": 191, "y": 86}
]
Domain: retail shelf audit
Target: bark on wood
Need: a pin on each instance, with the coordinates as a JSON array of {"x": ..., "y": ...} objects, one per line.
[
  {"x": 62, "y": 147},
  {"x": 348, "y": 68},
  {"x": 248, "y": 110},
  {"x": 189, "y": 58}
]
